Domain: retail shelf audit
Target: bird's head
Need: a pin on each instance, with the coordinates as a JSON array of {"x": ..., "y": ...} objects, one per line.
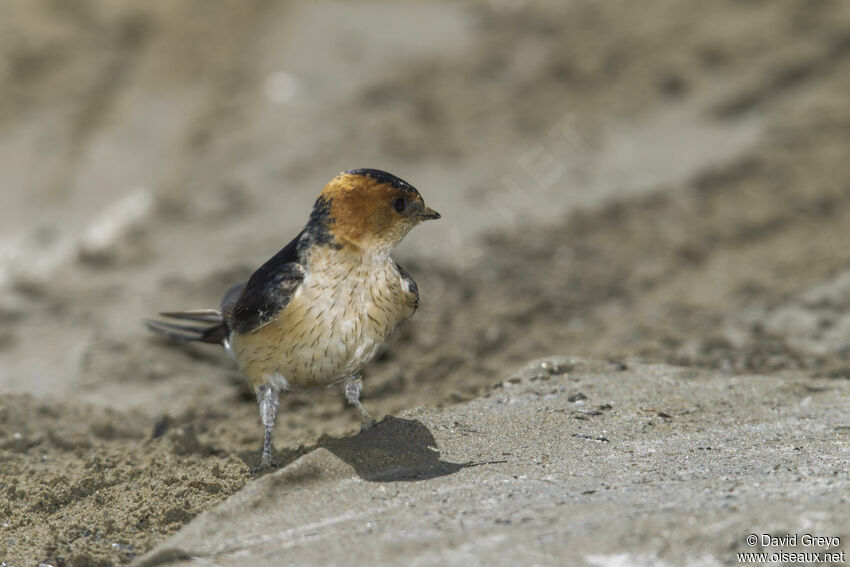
[{"x": 370, "y": 209}]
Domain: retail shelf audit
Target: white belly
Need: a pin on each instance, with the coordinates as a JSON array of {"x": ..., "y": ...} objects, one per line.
[{"x": 334, "y": 324}]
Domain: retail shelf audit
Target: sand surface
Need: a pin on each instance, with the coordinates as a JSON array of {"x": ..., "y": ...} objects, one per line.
[
  {"x": 622, "y": 184},
  {"x": 569, "y": 462}
]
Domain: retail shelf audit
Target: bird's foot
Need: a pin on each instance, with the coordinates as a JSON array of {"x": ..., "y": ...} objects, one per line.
[{"x": 267, "y": 464}]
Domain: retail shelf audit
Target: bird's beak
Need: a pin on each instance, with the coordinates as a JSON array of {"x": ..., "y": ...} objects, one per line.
[{"x": 429, "y": 214}]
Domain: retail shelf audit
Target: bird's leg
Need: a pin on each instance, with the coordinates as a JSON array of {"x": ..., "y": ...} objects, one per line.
[
  {"x": 268, "y": 400},
  {"x": 353, "y": 387}
]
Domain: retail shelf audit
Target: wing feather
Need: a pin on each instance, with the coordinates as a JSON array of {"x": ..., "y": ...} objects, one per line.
[
  {"x": 413, "y": 292},
  {"x": 267, "y": 292}
]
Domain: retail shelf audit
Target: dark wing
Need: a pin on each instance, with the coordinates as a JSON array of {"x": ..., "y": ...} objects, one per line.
[
  {"x": 411, "y": 284},
  {"x": 231, "y": 296},
  {"x": 267, "y": 292}
]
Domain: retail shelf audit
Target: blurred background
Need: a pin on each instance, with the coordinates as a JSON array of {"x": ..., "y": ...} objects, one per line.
[{"x": 662, "y": 180}]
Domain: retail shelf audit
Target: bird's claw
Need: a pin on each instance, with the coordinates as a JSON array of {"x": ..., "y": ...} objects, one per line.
[{"x": 265, "y": 467}]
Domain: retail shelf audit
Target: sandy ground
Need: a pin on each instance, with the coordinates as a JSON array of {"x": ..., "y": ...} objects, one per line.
[
  {"x": 661, "y": 183},
  {"x": 568, "y": 462}
]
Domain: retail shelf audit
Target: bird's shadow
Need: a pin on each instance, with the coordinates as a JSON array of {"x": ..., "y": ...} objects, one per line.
[{"x": 395, "y": 449}]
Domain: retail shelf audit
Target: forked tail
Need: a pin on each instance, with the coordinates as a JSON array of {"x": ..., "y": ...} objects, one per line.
[{"x": 215, "y": 330}]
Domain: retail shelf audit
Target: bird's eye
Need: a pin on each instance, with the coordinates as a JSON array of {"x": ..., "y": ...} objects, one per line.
[{"x": 400, "y": 204}]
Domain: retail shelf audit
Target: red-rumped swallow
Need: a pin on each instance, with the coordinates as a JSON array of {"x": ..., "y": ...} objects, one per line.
[{"x": 318, "y": 310}]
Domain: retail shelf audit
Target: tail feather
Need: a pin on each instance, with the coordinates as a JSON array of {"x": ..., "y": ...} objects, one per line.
[
  {"x": 201, "y": 315},
  {"x": 216, "y": 332}
]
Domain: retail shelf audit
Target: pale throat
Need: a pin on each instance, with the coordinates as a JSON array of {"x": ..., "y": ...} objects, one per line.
[
  {"x": 333, "y": 266},
  {"x": 348, "y": 253}
]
